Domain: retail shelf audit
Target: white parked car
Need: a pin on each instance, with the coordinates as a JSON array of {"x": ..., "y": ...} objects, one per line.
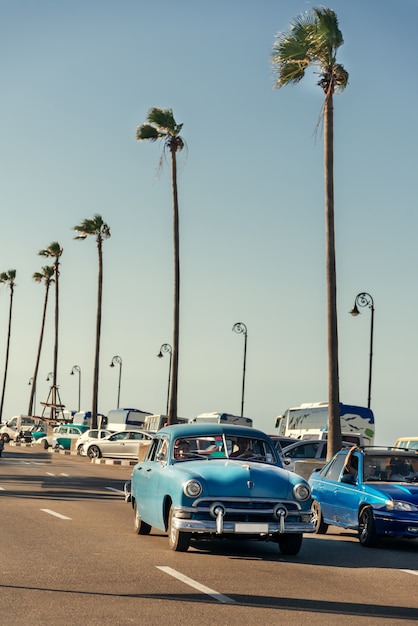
[
  {"x": 91, "y": 435},
  {"x": 121, "y": 445}
]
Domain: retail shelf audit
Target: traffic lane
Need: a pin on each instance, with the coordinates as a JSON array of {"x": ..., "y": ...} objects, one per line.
[{"x": 228, "y": 567}]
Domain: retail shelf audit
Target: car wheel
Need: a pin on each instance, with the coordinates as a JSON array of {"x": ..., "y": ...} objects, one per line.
[
  {"x": 45, "y": 444},
  {"x": 80, "y": 449},
  {"x": 290, "y": 544},
  {"x": 141, "y": 528},
  {"x": 320, "y": 526},
  {"x": 6, "y": 438},
  {"x": 94, "y": 452},
  {"x": 367, "y": 529},
  {"x": 178, "y": 541}
]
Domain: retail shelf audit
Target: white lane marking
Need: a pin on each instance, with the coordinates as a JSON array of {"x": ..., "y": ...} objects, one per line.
[
  {"x": 1, "y": 488},
  {"x": 67, "y": 475},
  {"x": 410, "y": 571},
  {"x": 56, "y": 514},
  {"x": 113, "y": 489},
  {"x": 189, "y": 581},
  {"x": 49, "y": 474}
]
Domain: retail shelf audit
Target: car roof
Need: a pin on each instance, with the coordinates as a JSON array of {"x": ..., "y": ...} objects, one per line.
[
  {"x": 390, "y": 451},
  {"x": 188, "y": 430}
]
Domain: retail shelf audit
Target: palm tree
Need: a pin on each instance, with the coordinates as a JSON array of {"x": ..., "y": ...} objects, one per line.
[
  {"x": 97, "y": 227},
  {"x": 46, "y": 277},
  {"x": 313, "y": 40},
  {"x": 160, "y": 124},
  {"x": 9, "y": 278},
  {"x": 54, "y": 251}
]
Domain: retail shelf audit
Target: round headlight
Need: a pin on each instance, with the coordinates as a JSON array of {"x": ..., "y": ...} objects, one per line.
[
  {"x": 192, "y": 489},
  {"x": 301, "y": 492}
]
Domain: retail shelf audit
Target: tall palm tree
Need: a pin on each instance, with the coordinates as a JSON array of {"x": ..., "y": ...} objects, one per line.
[
  {"x": 98, "y": 228},
  {"x": 54, "y": 251},
  {"x": 160, "y": 124},
  {"x": 313, "y": 40},
  {"x": 46, "y": 277},
  {"x": 7, "y": 278}
]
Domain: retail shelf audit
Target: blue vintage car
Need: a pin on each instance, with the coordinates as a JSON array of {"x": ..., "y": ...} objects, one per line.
[
  {"x": 371, "y": 490},
  {"x": 205, "y": 481}
]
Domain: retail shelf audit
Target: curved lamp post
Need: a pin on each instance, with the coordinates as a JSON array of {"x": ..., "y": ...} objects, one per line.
[
  {"x": 117, "y": 361},
  {"x": 34, "y": 395},
  {"x": 50, "y": 376},
  {"x": 364, "y": 299},
  {"x": 241, "y": 329},
  {"x": 167, "y": 349},
  {"x": 77, "y": 369}
]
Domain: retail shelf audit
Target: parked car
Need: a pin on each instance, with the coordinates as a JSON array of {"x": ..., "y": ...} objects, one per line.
[
  {"x": 124, "y": 444},
  {"x": 378, "y": 498},
  {"x": 62, "y": 436},
  {"x": 88, "y": 436},
  {"x": 207, "y": 481},
  {"x": 309, "y": 450}
]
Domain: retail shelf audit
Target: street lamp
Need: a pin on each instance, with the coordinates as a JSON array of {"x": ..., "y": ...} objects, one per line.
[
  {"x": 77, "y": 369},
  {"x": 365, "y": 299},
  {"x": 50, "y": 376},
  {"x": 31, "y": 382},
  {"x": 117, "y": 361},
  {"x": 167, "y": 349},
  {"x": 241, "y": 329}
]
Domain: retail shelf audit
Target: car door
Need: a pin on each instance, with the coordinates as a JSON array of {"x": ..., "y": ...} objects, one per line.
[
  {"x": 130, "y": 446},
  {"x": 114, "y": 446},
  {"x": 146, "y": 484}
]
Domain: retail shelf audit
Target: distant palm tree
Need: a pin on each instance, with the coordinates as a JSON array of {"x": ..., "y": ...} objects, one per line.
[
  {"x": 46, "y": 277},
  {"x": 54, "y": 251},
  {"x": 313, "y": 40},
  {"x": 160, "y": 124},
  {"x": 7, "y": 278},
  {"x": 98, "y": 228}
]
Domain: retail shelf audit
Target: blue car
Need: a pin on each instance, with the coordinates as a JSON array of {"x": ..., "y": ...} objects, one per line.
[
  {"x": 371, "y": 490},
  {"x": 206, "y": 481}
]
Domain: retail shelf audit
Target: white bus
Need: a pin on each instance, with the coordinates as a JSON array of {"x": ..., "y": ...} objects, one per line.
[
  {"x": 311, "y": 420},
  {"x": 125, "y": 419},
  {"x": 155, "y": 422}
]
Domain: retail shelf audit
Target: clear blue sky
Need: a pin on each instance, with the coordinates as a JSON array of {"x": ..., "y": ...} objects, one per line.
[{"x": 78, "y": 76}]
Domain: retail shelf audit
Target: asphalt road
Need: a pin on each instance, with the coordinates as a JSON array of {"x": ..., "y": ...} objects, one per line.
[{"x": 69, "y": 555}]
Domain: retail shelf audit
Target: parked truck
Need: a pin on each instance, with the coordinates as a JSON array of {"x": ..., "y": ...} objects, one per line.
[
  {"x": 16, "y": 426},
  {"x": 221, "y": 418},
  {"x": 125, "y": 419}
]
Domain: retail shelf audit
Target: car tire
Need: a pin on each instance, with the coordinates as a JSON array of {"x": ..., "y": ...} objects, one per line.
[
  {"x": 6, "y": 438},
  {"x": 178, "y": 541},
  {"x": 290, "y": 543},
  {"x": 80, "y": 449},
  {"x": 367, "y": 534},
  {"x": 94, "y": 452},
  {"x": 141, "y": 527},
  {"x": 45, "y": 444},
  {"x": 320, "y": 526}
]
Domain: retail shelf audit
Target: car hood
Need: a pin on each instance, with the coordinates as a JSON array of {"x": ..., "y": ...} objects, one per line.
[
  {"x": 239, "y": 478},
  {"x": 398, "y": 491}
]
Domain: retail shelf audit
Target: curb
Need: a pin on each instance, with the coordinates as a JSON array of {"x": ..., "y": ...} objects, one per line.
[{"x": 121, "y": 462}]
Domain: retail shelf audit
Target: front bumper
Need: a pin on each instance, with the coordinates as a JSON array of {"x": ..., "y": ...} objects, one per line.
[{"x": 243, "y": 517}]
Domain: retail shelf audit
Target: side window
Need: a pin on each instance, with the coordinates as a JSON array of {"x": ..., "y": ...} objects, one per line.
[
  {"x": 334, "y": 469},
  {"x": 152, "y": 450}
]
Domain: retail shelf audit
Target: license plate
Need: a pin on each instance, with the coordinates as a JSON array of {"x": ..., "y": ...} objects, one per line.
[{"x": 248, "y": 527}]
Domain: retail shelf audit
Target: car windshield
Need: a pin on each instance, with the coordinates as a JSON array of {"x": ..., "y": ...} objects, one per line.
[
  {"x": 223, "y": 446},
  {"x": 391, "y": 468}
]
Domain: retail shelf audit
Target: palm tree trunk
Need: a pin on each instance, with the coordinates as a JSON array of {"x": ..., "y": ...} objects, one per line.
[
  {"x": 38, "y": 356},
  {"x": 55, "y": 374},
  {"x": 334, "y": 424},
  {"x": 172, "y": 413},
  {"x": 7, "y": 351},
  {"x": 98, "y": 333}
]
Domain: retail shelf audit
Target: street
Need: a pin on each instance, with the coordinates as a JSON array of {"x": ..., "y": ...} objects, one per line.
[{"x": 70, "y": 555}]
